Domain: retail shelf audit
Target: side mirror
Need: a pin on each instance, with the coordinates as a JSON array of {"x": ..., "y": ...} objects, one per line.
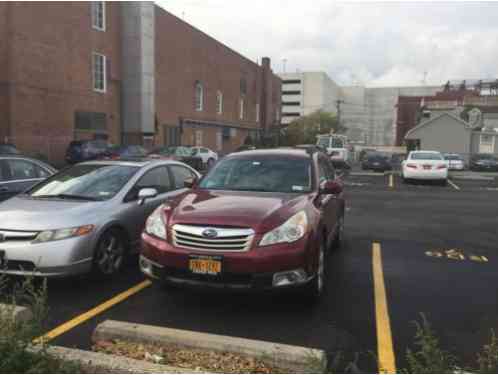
[
  {"x": 190, "y": 182},
  {"x": 331, "y": 187},
  {"x": 145, "y": 194}
]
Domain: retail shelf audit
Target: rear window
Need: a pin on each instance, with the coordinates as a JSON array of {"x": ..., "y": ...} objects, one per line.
[
  {"x": 8, "y": 149},
  {"x": 426, "y": 156}
]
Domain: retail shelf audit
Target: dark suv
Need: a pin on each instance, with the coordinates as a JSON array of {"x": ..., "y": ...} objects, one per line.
[
  {"x": 258, "y": 220},
  {"x": 8, "y": 149},
  {"x": 79, "y": 151}
]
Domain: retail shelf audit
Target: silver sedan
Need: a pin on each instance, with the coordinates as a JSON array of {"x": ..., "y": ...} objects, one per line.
[{"x": 85, "y": 218}]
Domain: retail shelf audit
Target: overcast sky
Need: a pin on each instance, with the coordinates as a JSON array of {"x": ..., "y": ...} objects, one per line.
[{"x": 377, "y": 44}]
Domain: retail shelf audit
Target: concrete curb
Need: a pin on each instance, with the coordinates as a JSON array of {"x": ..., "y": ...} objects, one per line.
[
  {"x": 472, "y": 178},
  {"x": 112, "y": 363},
  {"x": 19, "y": 313},
  {"x": 294, "y": 358}
]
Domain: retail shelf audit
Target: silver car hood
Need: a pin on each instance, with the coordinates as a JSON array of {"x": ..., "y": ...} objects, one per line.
[{"x": 44, "y": 214}]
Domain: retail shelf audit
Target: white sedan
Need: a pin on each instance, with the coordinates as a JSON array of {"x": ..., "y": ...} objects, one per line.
[
  {"x": 208, "y": 156},
  {"x": 425, "y": 165}
]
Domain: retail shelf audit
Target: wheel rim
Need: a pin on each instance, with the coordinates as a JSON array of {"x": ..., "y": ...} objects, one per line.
[
  {"x": 110, "y": 254},
  {"x": 321, "y": 270}
]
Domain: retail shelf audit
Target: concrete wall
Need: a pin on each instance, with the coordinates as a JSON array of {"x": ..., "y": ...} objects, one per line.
[
  {"x": 369, "y": 112},
  {"x": 444, "y": 134},
  {"x": 318, "y": 92}
]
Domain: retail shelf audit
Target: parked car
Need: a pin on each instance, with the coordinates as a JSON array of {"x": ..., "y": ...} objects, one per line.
[
  {"x": 19, "y": 173},
  {"x": 365, "y": 152},
  {"x": 88, "y": 217},
  {"x": 377, "y": 163},
  {"x": 245, "y": 148},
  {"x": 483, "y": 162},
  {"x": 258, "y": 220},
  {"x": 129, "y": 152},
  {"x": 455, "y": 162},
  {"x": 8, "y": 149},
  {"x": 179, "y": 153},
  {"x": 209, "y": 157},
  {"x": 79, "y": 151},
  {"x": 425, "y": 165}
]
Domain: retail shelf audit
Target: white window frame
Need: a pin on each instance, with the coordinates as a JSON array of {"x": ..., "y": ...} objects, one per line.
[
  {"x": 241, "y": 110},
  {"x": 104, "y": 72},
  {"x": 257, "y": 112},
  {"x": 96, "y": 8},
  {"x": 219, "y": 102},
  {"x": 489, "y": 145},
  {"x": 199, "y": 96}
]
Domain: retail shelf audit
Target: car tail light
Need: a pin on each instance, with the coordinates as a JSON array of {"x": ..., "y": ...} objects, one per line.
[
  {"x": 442, "y": 166},
  {"x": 413, "y": 166}
]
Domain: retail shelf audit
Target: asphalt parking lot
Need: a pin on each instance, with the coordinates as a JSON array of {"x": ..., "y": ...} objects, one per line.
[{"x": 409, "y": 249}]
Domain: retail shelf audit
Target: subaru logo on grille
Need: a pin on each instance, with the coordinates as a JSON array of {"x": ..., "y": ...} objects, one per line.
[{"x": 210, "y": 233}]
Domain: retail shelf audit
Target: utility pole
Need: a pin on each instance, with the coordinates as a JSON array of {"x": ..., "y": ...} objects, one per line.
[{"x": 338, "y": 106}]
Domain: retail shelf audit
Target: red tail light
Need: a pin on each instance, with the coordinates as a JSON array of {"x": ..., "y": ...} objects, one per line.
[
  {"x": 413, "y": 166},
  {"x": 442, "y": 166}
]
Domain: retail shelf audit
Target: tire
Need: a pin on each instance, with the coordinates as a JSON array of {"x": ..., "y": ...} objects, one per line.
[
  {"x": 444, "y": 183},
  {"x": 314, "y": 289},
  {"x": 210, "y": 163},
  {"x": 339, "y": 235},
  {"x": 110, "y": 253}
]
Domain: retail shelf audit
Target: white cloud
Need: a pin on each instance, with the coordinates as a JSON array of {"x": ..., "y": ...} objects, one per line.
[{"x": 373, "y": 43}]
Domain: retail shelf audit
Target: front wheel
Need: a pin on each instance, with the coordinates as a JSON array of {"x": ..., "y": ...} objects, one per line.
[
  {"x": 110, "y": 253},
  {"x": 314, "y": 290},
  {"x": 210, "y": 163}
]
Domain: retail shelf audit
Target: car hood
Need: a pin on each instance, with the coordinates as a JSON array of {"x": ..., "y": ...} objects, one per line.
[
  {"x": 27, "y": 214},
  {"x": 259, "y": 211}
]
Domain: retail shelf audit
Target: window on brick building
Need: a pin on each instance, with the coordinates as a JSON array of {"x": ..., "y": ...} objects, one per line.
[
  {"x": 98, "y": 15},
  {"x": 199, "y": 96},
  {"x": 241, "y": 112},
  {"x": 257, "y": 112},
  {"x": 99, "y": 72},
  {"x": 198, "y": 137},
  {"x": 219, "y": 102}
]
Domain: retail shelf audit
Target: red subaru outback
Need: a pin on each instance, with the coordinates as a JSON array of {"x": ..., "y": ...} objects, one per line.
[{"x": 258, "y": 220}]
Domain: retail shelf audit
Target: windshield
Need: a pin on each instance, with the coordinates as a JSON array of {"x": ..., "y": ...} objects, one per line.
[
  {"x": 426, "y": 156},
  {"x": 281, "y": 175},
  {"x": 8, "y": 149},
  {"x": 323, "y": 142},
  {"x": 86, "y": 182}
]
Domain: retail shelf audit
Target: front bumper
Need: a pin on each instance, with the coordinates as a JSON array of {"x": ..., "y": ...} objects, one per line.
[
  {"x": 67, "y": 257},
  {"x": 251, "y": 270}
]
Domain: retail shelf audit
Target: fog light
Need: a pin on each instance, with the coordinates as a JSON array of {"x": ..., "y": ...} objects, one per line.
[
  {"x": 289, "y": 277},
  {"x": 146, "y": 266}
]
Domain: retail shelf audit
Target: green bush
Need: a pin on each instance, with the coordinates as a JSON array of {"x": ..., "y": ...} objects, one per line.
[{"x": 16, "y": 337}]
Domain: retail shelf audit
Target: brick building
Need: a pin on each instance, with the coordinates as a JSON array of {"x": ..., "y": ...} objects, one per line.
[{"x": 129, "y": 72}]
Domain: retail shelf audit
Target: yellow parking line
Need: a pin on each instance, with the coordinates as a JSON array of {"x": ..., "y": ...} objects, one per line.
[
  {"x": 453, "y": 184},
  {"x": 385, "y": 351},
  {"x": 92, "y": 313},
  {"x": 391, "y": 181}
]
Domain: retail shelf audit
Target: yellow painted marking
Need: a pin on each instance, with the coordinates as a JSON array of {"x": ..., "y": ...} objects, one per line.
[
  {"x": 385, "y": 351},
  {"x": 435, "y": 254},
  {"x": 92, "y": 313},
  {"x": 478, "y": 258},
  {"x": 455, "y": 186},
  {"x": 391, "y": 181}
]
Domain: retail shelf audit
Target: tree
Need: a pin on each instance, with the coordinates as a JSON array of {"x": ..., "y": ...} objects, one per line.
[{"x": 305, "y": 129}]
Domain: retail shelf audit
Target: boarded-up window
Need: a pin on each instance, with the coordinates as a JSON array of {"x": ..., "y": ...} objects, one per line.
[{"x": 90, "y": 121}]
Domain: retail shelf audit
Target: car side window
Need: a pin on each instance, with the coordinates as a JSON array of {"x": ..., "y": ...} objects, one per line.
[
  {"x": 204, "y": 150},
  {"x": 25, "y": 170},
  {"x": 4, "y": 171},
  {"x": 157, "y": 178},
  {"x": 180, "y": 174}
]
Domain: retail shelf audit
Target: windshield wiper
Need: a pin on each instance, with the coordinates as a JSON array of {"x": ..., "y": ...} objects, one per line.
[{"x": 67, "y": 196}]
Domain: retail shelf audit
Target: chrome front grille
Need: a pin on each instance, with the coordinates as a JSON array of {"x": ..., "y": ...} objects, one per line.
[
  {"x": 16, "y": 235},
  {"x": 221, "y": 239}
]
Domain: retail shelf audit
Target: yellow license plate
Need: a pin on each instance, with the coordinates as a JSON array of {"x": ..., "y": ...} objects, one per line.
[{"x": 205, "y": 266}]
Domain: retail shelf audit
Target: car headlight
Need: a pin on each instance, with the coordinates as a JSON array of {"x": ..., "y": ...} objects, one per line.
[
  {"x": 290, "y": 231},
  {"x": 155, "y": 224},
  {"x": 62, "y": 234}
]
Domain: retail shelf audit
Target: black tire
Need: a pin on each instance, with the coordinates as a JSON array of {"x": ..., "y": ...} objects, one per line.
[
  {"x": 339, "y": 235},
  {"x": 210, "y": 163},
  {"x": 110, "y": 253},
  {"x": 444, "y": 183},
  {"x": 314, "y": 289}
]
